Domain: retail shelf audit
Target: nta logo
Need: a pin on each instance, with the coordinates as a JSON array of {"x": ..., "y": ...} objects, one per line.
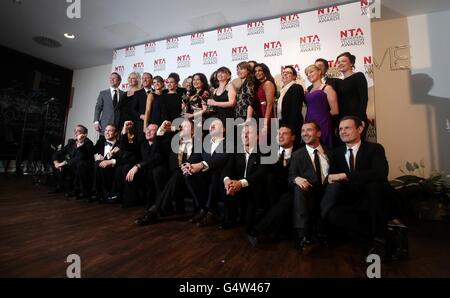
[
  {"x": 159, "y": 64},
  {"x": 273, "y": 48},
  {"x": 183, "y": 61},
  {"x": 310, "y": 43},
  {"x": 210, "y": 57},
  {"x": 197, "y": 38},
  {"x": 239, "y": 53},
  {"x": 352, "y": 37},
  {"x": 255, "y": 28},
  {"x": 329, "y": 14},
  {"x": 290, "y": 21},
  {"x": 224, "y": 33}
]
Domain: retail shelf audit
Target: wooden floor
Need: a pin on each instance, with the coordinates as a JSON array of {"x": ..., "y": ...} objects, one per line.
[{"x": 38, "y": 231}]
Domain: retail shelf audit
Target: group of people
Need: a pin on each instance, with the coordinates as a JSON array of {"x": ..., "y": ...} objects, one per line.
[{"x": 325, "y": 179}]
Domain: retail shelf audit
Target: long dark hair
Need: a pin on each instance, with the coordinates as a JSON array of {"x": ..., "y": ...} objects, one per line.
[
  {"x": 204, "y": 80},
  {"x": 268, "y": 75}
]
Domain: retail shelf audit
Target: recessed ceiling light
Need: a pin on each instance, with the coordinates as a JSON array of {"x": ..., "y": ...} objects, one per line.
[{"x": 69, "y": 35}]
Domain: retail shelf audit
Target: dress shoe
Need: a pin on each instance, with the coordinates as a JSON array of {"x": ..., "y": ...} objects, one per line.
[
  {"x": 208, "y": 220},
  {"x": 198, "y": 217},
  {"x": 93, "y": 198},
  {"x": 253, "y": 238},
  {"x": 305, "y": 243},
  {"x": 227, "y": 225},
  {"x": 54, "y": 190},
  {"x": 148, "y": 218},
  {"x": 112, "y": 200},
  {"x": 71, "y": 194},
  {"x": 82, "y": 196}
]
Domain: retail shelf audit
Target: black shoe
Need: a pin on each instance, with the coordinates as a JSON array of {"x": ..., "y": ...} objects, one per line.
[
  {"x": 208, "y": 220},
  {"x": 148, "y": 218},
  {"x": 55, "y": 190},
  {"x": 198, "y": 217},
  {"x": 93, "y": 198},
  {"x": 71, "y": 194},
  {"x": 112, "y": 200},
  {"x": 305, "y": 243},
  {"x": 253, "y": 238},
  {"x": 82, "y": 196},
  {"x": 227, "y": 225}
]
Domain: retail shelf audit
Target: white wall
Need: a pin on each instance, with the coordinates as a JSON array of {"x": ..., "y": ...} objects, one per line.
[{"x": 87, "y": 84}]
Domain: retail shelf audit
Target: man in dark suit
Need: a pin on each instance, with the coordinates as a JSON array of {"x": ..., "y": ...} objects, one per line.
[
  {"x": 73, "y": 164},
  {"x": 204, "y": 177},
  {"x": 181, "y": 152},
  {"x": 244, "y": 178},
  {"x": 275, "y": 215},
  {"x": 105, "y": 151},
  {"x": 307, "y": 175},
  {"x": 139, "y": 104},
  {"x": 290, "y": 102},
  {"x": 151, "y": 173},
  {"x": 357, "y": 197},
  {"x": 107, "y": 106}
]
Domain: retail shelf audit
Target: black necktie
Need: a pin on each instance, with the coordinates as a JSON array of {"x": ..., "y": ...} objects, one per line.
[
  {"x": 281, "y": 159},
  {"x": 351, "y": 160},
  {"x": 317, "y": 165},
  {"x": 115, "y": 98}
]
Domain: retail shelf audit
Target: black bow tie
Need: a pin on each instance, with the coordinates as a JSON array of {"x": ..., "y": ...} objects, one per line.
[{"x": 110, "y": 144}]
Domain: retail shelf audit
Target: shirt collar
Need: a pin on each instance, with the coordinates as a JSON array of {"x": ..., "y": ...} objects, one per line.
[
  {"x": 287, "y": 152},
  {"x": 355, "y": 147},
  {"x": 311, "y": 149}
]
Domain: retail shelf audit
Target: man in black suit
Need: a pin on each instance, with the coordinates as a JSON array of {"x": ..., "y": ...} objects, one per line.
[
  {"x": 274, "y": 217},
  {"x": 357, "y": 197},
  {"x": 73, "y": 164},
  {"x": 307, "y": 175},
  {"x": 151, "y": 173},
  {"x": 139, "y": 104},
  {"x": 290, "y": 103},
  {"x": 107, "y": 106},
  {"x": 181, "y": 152},
  {"x": 244, "y": 178},
  {"x": 105, "y": 152},
  {"x": 204, "y": 177}
]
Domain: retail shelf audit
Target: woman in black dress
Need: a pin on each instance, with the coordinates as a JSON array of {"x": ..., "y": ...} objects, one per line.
[
  {"x": 195, "y": 104},
  {"x": 127, "y": 99},
  {"x": 153, "y": 106},
  {"x": 171, "y": 101},
  {"x": 352, "y": 90},
  {"x": 224, "y": 96}
]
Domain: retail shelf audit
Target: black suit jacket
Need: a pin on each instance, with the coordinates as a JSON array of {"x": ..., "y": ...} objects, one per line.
[
  {"x": 301, "y": 165},
  {"x": 138, "y": 108},
  {"x": 152, "y": 155},
  {"x": 218, "y": 159},
  {"x": 291, "y": 109},
  {"x": 99, "y": 147},
  {"x": 173, "y": 158},
  {"x": 370, "y": 165},
  {"x": 73, "y": 155},
  {"x": 235, "y": 169}
]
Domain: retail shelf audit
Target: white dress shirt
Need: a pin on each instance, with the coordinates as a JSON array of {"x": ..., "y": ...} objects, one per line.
[
  {"x": 287, "y": 152},
  {"x": 214, "y": 144},
  {"x": 355, "y": 152},
  {"x": 324, "y": 162}
]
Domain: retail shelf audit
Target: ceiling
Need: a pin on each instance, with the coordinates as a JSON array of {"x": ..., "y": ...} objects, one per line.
[{"x": 109, "y": 24}]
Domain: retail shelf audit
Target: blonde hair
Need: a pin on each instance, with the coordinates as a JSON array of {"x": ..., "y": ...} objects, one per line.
[
  {"x": 137, "y": 76},
  {"x": 313, "y": 67}
]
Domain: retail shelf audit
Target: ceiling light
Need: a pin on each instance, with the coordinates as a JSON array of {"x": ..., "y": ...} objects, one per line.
[{"x": 69, "y": 35}]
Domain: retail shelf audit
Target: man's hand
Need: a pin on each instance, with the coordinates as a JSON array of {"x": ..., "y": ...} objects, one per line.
[
  {"x": 98, "y": 157},
  {"x": 131, "y": 173},
  {"x": 333, "y": 178},
  {"x": 142, "y": 117},
  {"x": 234, "y": 187},
  {"x": 126, "y": 126},
  {"x": 302, "y": 183},
  {"x": 105, "y": 163},
  {"x": 195, "y": 168},
  {"x": 97, "y": 127}
]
